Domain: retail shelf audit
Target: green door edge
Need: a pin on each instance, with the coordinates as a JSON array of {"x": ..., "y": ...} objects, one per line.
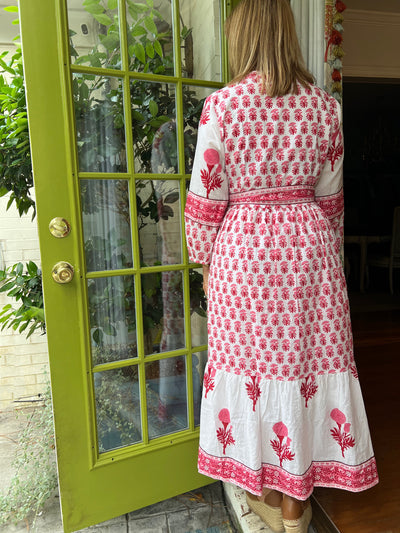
[{"x": 51, "y": 145}]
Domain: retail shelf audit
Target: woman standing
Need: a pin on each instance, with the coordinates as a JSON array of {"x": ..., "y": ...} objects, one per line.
[{"x": 282, "y": 409}]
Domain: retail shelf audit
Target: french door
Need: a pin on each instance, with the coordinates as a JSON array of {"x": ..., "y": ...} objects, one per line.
[{"x": 115, "y": 90}]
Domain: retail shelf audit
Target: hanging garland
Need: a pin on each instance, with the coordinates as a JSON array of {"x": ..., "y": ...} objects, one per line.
[{"x": 334, "y": 47}]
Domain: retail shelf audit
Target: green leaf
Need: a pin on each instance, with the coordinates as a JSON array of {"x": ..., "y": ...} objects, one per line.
[
  {"x": 11, "y": 9},
  {"x": 138, "y": 31},
  {"x": 153, "y": 107},
  {"x": 150, "y": 50},
  {"x": 137, "y": 8},
  {"x": 103, "y": 19},
  {"x": 94, "y": 9},
  {"x": 171, "y": 198},
  {"x": 149, "y": 23},
  {"x": 7, "y": 286},
  {"x": 159, "y": 121},
  {"x": 158, "y": 48},
  {"x": 32, "y": 268},
  {"x": 138, "y": 50},
  {"x": 98, "y": 336},
  {"x": 136, "y": 115},
  {"x": 112, "y": 4},
  {"x": 150, "y": 3},
  {"x": 5, "y": 67},
  {"x": 23, "y": 327}
]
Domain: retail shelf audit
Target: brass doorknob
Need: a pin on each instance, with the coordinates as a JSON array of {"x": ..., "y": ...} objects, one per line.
[
  {"x": 59, "y": 227},
  {"x": 63, "y": 272}
]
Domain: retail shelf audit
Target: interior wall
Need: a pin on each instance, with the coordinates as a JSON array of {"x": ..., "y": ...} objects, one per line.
[{"x": 372, "y": 43}]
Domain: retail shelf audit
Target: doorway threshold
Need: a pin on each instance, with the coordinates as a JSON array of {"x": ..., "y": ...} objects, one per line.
[{"x": 247, "y": 522}]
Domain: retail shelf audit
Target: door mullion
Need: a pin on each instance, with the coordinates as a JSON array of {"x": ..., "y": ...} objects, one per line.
[{"x": 134, "y": 221}]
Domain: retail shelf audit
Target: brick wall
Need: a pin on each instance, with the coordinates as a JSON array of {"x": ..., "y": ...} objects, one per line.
[{"x": 23, "y": 362}]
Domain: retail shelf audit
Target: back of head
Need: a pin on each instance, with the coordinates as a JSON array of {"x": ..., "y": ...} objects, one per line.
[{"x": 262, "y": 36}]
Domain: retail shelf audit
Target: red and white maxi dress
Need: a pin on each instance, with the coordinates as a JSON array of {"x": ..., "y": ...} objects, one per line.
[{"x": 282, "y": 406}]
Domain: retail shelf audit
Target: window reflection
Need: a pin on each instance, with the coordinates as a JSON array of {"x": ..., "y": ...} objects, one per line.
[
  {"x": 166, "y": 396},
  {"x": 117, "y": 408},
  {"x": 201, "y": 58},
  {"x": 94, "y": 33},
  {"x": 159, "y": 220},
  {"x": 112, "y": 319},
  {"x": 199, "y": 361},
  {"x": 106, "y": 224},
  {"x": 150, "y": 40},
  {"x": 153, "y": 122},
  {"x": 198, "y": 308},
  {"x": 163, "y": 311},
  {"x": 99, "y": 117}
]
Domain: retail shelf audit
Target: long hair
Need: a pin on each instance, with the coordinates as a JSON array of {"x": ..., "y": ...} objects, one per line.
[{"x": 262, "y": 36}]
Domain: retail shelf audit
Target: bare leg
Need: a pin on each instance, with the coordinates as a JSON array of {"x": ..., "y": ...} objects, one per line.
[
  {"x": 271, "y": 497},
  {"x": 292, "y": 509}
]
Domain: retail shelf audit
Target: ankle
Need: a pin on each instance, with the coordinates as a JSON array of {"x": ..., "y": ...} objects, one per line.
[{"x": 292, "y": 509}]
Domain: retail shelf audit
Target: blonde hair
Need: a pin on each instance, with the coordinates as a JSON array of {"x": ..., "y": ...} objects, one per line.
[{"x": 262, "y": 36}]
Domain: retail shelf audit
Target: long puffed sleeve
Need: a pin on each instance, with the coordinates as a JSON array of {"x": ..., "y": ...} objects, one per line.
[
  {"x": 329, "y": 189},
  {"x": 209, "y": 192}
]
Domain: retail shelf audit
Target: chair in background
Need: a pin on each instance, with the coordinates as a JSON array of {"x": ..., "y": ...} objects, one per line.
[{"x": 390, "y": 261}]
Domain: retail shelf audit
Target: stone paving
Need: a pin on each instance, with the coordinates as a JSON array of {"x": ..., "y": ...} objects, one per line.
[{"x": 203, "y": 510}]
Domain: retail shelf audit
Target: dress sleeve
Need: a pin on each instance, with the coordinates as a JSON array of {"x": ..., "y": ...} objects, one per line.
[
  {"x": 209, "y": 192},
  {"x": 329, "y": 189}
]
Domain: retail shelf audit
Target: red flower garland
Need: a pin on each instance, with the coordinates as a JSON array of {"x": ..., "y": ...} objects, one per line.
[{"x": 340, "y": 6}]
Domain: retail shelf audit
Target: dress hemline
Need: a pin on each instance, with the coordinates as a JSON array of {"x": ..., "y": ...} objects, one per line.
[{"x": 326, "y": 474}]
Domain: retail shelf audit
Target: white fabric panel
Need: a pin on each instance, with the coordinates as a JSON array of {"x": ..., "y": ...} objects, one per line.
[{"x": 310, "y": 24}]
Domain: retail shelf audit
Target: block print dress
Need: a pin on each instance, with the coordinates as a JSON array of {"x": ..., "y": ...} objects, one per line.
[{"x": 281, "y": 406}]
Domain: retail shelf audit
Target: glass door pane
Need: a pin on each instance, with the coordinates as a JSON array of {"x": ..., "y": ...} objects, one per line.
[
  {"x": 201, "y": 39},
  {"x": 99, "y": 123},
  {"x": 131, "y": 123},
  {"x": 150, "y": 37},
  {"x": 94, "y": 33}
]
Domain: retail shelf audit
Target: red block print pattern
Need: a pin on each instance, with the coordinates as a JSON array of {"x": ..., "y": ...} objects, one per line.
[
  {"x": 211, "y": 178},
  {"x": 341, "y": 433},
  {"x": 281, "y": 446},
  {"x": 308, "y": 388},
  {"x": 208, "y": 380},
  {"x": 265, "y": 211},
  {"x": 299, "y": 486},
  {"x": 224, "y": 434},
  {"x": 253, "y": 390}
]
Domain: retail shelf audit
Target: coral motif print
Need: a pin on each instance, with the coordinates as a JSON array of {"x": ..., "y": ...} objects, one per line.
[
  {"x": 281, "y": 448},
  {"x": 208, "y": 380},
  {"x": 353, "y": 370},
  {"x": 224, "y": 434},
  {"x": 211, "y": 178},
  {"x": 335, "y": 151},
  {"x": 341, "y": 433},
  {"x": 205, "y": 116},
  {"x": 308, "y": 388},
  {"x": 253, "y": 390}
]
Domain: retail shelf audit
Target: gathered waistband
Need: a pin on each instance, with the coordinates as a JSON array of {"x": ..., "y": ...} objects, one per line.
[{"x": 296, "y": 194}]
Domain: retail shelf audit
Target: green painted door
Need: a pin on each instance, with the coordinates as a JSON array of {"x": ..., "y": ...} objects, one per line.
[{"x": 115, "y": 91}]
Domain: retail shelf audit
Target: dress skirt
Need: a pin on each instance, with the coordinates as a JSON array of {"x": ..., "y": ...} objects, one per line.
[{"x": 282, "y": 405}]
